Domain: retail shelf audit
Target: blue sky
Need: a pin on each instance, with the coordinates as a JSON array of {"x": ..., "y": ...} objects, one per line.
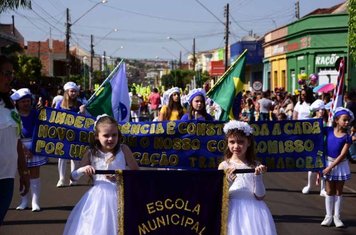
[{"x": 143, "y": 26}]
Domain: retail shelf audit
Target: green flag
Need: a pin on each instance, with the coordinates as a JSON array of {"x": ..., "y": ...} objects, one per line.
[
  {"x": 227, "y": 92},
  {"x": 112, "y": 97}
]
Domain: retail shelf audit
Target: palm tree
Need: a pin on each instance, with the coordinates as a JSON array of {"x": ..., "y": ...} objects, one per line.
[{"x": 14, "y": 4}]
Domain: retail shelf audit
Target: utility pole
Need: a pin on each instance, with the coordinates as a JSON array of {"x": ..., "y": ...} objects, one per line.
[
  {"x": 297, "y": 10},
  {"x": 91, "y": 59},
  {"x": 180, "y": 59},
  {"x": 67, "y": 46},
  {"x": 194, "y": 58},
  {"x": 227, "y": 36}
]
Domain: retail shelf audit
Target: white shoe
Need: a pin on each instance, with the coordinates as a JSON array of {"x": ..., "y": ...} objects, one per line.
[
  {"x": 338, "y": 223},
  {"x": 35, "y": 207},
  {"x": 323, "y": 193},
  {"x": 60, "y": 183},
  {"x": 327, "y": 221},
  {"x": 24, "y": 203},
  {"x": 306, "y": 189},
  {"x": 73, "y": 183}
]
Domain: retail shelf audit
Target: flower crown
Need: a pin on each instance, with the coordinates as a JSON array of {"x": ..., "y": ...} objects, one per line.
[
  {"x": 242, "y": 126},
  {"x": 99, "y": 117}
]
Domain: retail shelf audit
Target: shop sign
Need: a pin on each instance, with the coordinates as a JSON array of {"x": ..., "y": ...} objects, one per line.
[{"x": 326, "y": 60}]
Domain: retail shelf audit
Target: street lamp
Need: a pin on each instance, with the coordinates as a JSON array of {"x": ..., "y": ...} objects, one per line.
[
  {"x": 69, "y": 25},
  {"x": 106, "y": 35},
  {"x": 85, "y": 63},
  {"x": 170, "y": 38}
]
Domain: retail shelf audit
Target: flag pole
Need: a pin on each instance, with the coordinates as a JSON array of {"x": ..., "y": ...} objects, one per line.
[
  {"x": 226, "y": 72},
  {"x": 102, "y": 84}
]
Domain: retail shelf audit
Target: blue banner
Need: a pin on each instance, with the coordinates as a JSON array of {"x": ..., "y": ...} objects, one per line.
[{"x": 281, "y": 145}]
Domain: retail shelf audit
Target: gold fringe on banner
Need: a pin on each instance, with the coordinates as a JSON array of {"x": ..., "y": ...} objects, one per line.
[
  {"x": 224, "y": 205},
  {"x": 120, "y": 201}
]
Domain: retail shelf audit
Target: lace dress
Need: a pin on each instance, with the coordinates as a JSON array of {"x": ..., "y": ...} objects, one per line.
[
  {"x": 96, "y": 212},
  {"x": 247, "y": 215}
]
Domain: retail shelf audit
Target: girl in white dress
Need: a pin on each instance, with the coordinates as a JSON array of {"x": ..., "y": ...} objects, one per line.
[
  {"x": 248, "y": 214},
  {"x": 96, "y": 212}
]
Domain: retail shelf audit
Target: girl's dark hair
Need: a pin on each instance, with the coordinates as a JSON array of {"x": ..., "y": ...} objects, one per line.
[
  {"x": 250, "y": 152},
  {"x": 174, "y": 106},
  {"x": 95, "y": 145},
  {"x": 202, "y": 112},
  {"x": 6, "y": 96},
  {"x": 309, "y": 95}
]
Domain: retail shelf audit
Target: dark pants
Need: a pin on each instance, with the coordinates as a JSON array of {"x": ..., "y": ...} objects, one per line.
[
  {"x": 6, "y": 193},
  {"x": 264, "y": 116}
]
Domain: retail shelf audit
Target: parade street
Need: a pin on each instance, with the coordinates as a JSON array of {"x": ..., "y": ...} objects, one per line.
[{"x": 293, "y": 212}]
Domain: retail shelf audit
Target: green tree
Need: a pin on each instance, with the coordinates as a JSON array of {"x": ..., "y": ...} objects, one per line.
[
  {"x": 28, "y": 70},
  {"x": 177, "y": 78},
  {"x": 352, "y": 28},
  {"x": 352, "y": 44},
  {"x": 14, "y": 4}
]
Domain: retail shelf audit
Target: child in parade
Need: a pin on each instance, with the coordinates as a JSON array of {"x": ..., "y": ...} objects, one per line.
[
  {"x": 248, "y": 213},
  {"x": 69, "y": 102},
  {"x": 96, "y": 212},
  {"x": 12, "y": 157},
  {"x": 172, "y": 108},
  {"x": 197, "y": 106},
  {"x": 24, "y": 105},
  {"x": 337, "y": 170},
  {"x": 318, "y": 109}
]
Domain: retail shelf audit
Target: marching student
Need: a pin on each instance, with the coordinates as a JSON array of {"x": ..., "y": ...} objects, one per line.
[
  {"x": 69, "y": 102},
  {"x": 338, "y": 142},
  {"x": 197, "y": 106},
  {"x": 172, "y": 108},
  {"x": 319, "y": 111},
  {"x": 96, "y": 212},
  {"x": 248, "y": 213},
  {"x": 24, "y": 105}
]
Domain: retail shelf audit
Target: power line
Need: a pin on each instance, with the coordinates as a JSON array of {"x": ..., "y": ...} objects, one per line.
[
  {"x": 201, "y": 4},
  {"x": 160, "y": 17}
]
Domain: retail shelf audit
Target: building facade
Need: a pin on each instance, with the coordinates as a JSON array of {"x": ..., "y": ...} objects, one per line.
[{"x": 309, "y": 45}]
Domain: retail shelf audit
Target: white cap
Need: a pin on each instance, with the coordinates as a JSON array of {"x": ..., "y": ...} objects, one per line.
[
  {"x": 21, "y": 93},
  {"x": 196, "y": 92},
  {"x": 70, "y": 85},
  {"x": 317, "y": 105},
  {"x": 167, "y": 94}
]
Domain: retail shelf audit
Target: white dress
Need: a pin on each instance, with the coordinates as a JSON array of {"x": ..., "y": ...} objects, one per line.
[
  {"x": 247, "y": 215},
  {"x": 96, "y": 212}
]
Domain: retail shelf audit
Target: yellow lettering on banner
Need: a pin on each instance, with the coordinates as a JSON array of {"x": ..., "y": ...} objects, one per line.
[
  {"x": 88, "y": 123},
  {"x": 42, "y": 116},
  {"x": 176, "y": 143},
  {"x": 171, "y": 128},
  {"x": 202, "y": 162},
  {"x": 276, "y": 129},
  {"x": 69, "y": 119},
  {"x": 200, "y": 129},
  {"x": 142, "y": 229},
  {"x": 298, "y": 128},
  {"x": 49, "y": 147},
  {"x": 78, "y": 122},
  {"x": 288, "y": 146},
  {"x": 156, "y": 159},
  {"x": 213, "y": 145},
  {"x": 86, "y": 137},
  {"x": 77, "y": 151},
  {"x": 292, "y": 163},
  {"x": 261, "y": 130}
]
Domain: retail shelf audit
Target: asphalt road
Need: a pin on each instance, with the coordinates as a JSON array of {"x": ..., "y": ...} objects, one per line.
[{"x": 293, "y": 212}]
